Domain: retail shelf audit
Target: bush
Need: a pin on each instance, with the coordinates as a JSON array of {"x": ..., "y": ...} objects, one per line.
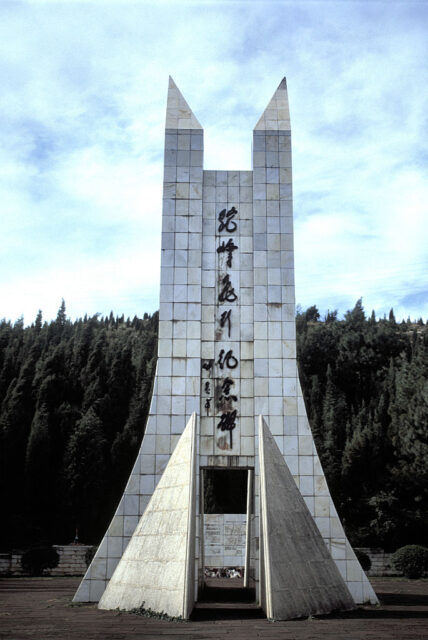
[
  {"x": 89, "y": 554},
  {"x": 36, "y": 560},
  {"x": 412, "y": 560},
  {"x": 363, "y": 559}
]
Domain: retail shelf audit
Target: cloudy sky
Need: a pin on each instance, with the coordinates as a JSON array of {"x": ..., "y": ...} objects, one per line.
[{"x": 82, "y": 111}]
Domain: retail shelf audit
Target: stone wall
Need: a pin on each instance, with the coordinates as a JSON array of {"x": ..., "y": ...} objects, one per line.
[
  {"x": 71, "y": 561},
  {"x": 4, "y": 564},
  {"x": 72, "y": 557}
]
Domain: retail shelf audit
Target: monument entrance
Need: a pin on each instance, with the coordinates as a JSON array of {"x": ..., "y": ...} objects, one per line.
[
  {"x": 225, "y": 516},
  {"x": 225, "y": 524},
  {"x": 227, "y": 400}
]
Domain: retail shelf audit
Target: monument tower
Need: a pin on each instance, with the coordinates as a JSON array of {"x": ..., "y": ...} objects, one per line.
[{"x": 227, "y": 397}]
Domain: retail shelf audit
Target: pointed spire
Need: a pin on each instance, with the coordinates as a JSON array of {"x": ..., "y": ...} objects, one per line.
[
  {"x": 276, "y": 116},
  {"x": 178, "y": 113}
]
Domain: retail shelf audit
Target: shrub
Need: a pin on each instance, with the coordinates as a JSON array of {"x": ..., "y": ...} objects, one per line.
[
  {"x": 89, "y": 554},
  {"x": 36, "y": 560},
  {"x": 412, "y": 560},
  {"x": 363, "y": 559}
]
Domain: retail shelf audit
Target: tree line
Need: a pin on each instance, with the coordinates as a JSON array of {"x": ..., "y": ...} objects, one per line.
[
  {"x": 74, "y": 397},
  {"x": 365, "y": 384}
]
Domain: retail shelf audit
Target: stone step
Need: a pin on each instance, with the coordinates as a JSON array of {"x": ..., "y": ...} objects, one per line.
[
  {"x": 227, "y": 595},
  {"x": 228, "y": 605}
]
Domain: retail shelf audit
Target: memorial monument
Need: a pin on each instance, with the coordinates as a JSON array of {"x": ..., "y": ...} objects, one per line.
[{"x": 227, "y": 397}]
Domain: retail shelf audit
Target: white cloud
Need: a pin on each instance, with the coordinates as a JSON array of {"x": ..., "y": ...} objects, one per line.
[{"x": 83, "y": 102}]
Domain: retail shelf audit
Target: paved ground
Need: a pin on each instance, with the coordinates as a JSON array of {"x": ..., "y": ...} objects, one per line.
[{"x": 40, "y": 609}]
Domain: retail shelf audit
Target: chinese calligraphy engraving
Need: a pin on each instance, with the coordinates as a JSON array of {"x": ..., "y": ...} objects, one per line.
[
  {"x": 207, "y": 364},
  {"x": 227, "y": 423},
  {"x": 220, "y": 400},
  {"x": 224, "y": 399},
  {"x": 227, "y": 294},
  {"x": 226, "y": 220},
  {"x": 225, "y": 318},
  {"x": 227, "y": 359},
  {"x": 228, "y": 248},
  {"x": 227, "y": 383},
  {"x": 208, "y": 405}
]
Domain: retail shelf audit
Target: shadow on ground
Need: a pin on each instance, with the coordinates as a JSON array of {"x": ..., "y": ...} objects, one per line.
[
  {"x": 207, "y": 615},
  {"x": 238, "y": 604}
]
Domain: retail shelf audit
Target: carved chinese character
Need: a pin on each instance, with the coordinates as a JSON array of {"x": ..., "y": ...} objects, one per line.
[
  {"x": 227, "y": 359},
  {"x": 227, "y": 423},
  {"x": 226, "y": 384},
  {"x": 224, "y": 399},
  {"x": 207, "y": 364},
  {"x": 207, "y": 387},
  {"x": 208, "y": 405},
  {"x": 229, "y": 248},
  {"x": 226, "y": 220},
  {"x": 225, "y": 317},
  {"x": 227, "y": 294}
]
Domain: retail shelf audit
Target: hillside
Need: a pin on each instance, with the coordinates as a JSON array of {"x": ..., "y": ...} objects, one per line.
[{"x": 74, "y": 397}]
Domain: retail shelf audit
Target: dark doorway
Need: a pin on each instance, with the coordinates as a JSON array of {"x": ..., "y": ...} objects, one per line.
[{"x": 225, "y": 490}]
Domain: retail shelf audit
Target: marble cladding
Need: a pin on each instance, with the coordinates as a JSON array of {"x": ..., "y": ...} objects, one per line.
[
  {"x": 227, "y": 302},
  {"x": 296, "y": 566},
  {"x": 261, "y": 343},
  {"x": 164, "y": 581},
  {"x": 276, "y": 116}
]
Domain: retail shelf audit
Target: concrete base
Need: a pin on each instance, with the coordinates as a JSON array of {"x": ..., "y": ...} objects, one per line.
[
  {"x": 157, "y": 569},
  {"x": 299, "y": 576}
]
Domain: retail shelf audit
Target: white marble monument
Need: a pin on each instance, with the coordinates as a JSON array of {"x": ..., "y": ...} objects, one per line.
[{"x": 226, "y": 355}]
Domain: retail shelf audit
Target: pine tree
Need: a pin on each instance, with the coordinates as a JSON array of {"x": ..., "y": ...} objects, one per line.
[
  {"x": 356, "y": 317},
  {"x": 86, "y": 474},
  {"x": 38, "y": 469},
  {"x": 410, "y": 416},
  {"x": 61, "y": 317},
  {"x": 334, "y": 428},
  {"x": 331, "y": 316}
]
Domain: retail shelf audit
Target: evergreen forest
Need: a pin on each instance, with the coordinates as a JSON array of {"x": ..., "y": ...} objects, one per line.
[{"x": 74, "y": 397}]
